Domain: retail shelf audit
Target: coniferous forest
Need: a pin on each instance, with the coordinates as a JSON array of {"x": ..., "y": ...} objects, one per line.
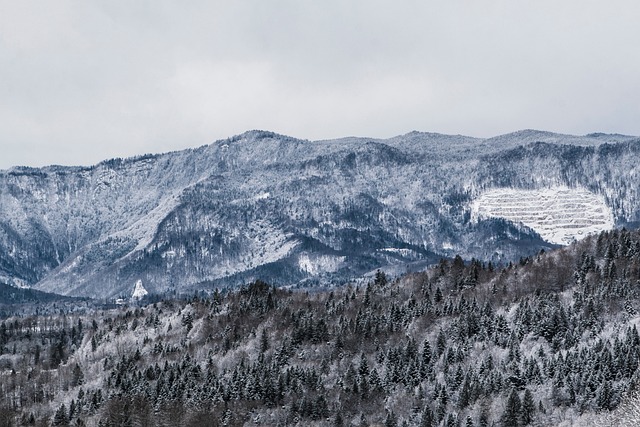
[{"x": 549, "y": 340}]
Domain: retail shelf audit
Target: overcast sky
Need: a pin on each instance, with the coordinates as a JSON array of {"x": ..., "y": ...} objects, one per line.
[{"x": 82, "y": 81}]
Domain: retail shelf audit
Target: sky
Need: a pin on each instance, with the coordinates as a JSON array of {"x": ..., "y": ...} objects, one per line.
[{"x": 83, "y": 80}]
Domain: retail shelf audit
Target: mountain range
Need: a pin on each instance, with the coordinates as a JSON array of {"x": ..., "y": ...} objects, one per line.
[{"x": 306, "y": 213}]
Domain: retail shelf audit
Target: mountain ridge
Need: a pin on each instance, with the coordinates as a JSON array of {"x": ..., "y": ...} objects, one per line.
[
  {"x": 523, "y": 136},
  {"x": 260, "y": 203}
]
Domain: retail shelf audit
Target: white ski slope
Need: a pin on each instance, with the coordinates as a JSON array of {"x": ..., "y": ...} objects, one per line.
[{"x": 559, "y": 214}]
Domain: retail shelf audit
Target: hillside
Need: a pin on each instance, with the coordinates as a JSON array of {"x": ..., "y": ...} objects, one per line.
[
  {"x": 549, "y": 340},
  {"x": 290, "y": 211},
  {"x": 12, "y": 295},
  {"x": 559, "y": 215},
  {"x": 23, "y": 301}
]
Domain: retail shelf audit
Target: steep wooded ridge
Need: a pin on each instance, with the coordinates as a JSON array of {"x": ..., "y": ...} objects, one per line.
[
  {"x": 550, "y": 340},
  {"x": 262, "y": 205}
]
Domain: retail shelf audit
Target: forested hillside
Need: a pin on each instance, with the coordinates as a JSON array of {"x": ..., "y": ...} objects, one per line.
[
  {"x": 290, "y": 211},
  {"x": 10, "y": 296},
  {"x": 549, "y": 340}
]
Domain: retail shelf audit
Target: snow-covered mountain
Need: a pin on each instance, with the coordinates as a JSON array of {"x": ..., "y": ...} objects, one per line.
[{"x": 262, "y": 205}]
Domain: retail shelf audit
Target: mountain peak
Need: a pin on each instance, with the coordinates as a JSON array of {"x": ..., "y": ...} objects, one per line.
[{"x": 255, "y": 135}]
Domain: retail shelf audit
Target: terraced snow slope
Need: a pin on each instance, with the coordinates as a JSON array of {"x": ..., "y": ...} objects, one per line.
[{"x": 560, "y": 214}]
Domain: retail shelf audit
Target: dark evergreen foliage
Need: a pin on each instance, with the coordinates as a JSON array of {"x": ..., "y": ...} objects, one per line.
[{"x": 425, "y": 349}]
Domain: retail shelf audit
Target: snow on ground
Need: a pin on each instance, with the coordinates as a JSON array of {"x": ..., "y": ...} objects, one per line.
[
  {"x": 559, "y": 214},
  {"x": 401, "y": 251},
  {"x": 316, "y": 264},
  {"x": 139, "y": 292},
  {"x": 144, "y": 229}
]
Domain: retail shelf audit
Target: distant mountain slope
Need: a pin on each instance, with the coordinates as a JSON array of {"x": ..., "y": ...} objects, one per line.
[
  {"x": 262, "y": 205},
  {"x": 13, "y": 295}
]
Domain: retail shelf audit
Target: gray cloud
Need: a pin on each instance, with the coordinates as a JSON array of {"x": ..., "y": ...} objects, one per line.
[{"x": 83, "y": 81}]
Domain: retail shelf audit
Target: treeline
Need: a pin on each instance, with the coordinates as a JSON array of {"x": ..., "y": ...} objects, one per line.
[{"x": 544, "y": 340}]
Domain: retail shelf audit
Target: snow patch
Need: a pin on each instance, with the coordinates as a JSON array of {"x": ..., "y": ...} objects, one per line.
[
  {"x": 400, "y": 251},
  {"x": 139, "y": 292},
  {"x": 71, "y": 265},
  {"x": 145, "y": 228},
  {"x": 14, "y": 281},
  {"x": 169, "y": 254},
  {"x": 320, "y": 264},
  {"x": 559, "y": 214}
]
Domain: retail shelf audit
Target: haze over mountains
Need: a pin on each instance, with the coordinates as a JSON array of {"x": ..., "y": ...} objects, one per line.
[{"x": 262, "y": 205}]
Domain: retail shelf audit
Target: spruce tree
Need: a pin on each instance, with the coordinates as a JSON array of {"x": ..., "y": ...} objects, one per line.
[
  {"x": 464, "y": 397},
  {"x": 427, "y": 419},
  {"x": 528, "y": 408},
  {"x": 392, "y": 420},
  {"x": 60, "y": 417},
  {"x": 483, "y": 421},
  {"x": 264, "y": 341},
  {"x": 604, "y": 395},
  {"x": 512, "y": 411},
  {"x": 441, "y": 343}
]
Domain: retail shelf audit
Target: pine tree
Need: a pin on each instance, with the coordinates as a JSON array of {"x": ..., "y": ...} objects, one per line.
[
  {"x": 604, "y": 396},
  {"x": 264, "y": 341},
  {"x": 72, "y": 409},
  {"x": 528, "y": 408},
  {"x": 465, "y": 393},
  {"x": 381, "y": 278},
  {"x": 437, "y": 298},
  {"x": 483, "y": 421},
  {"x": 441, "y": 343},
  {"x": 425, "y": 364},
  {"x": 512, "y": 410},
  {"x": 60, "y": 417},
  {"x": 391, "y": 420},
  {"x": 77, "y": 377},
  {"x": 187, "y": 321},
  {"x": 427, "y": 418}
]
